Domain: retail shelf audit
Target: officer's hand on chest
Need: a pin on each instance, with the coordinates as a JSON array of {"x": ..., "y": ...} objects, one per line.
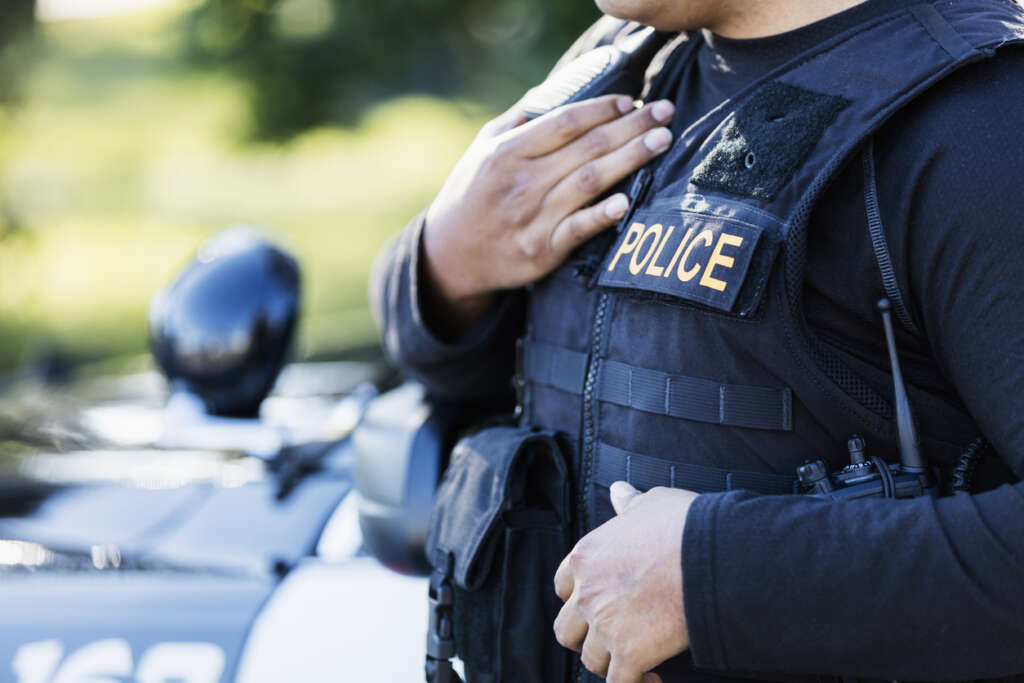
[{"x": 517, "y": 202}]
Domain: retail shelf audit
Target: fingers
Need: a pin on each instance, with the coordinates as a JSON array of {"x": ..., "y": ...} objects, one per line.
[
  {"x": 581, "y": 225},
  {"x": 502, "y": 124},
  {"x": 622, "y": 494},
  {"x": 570, "y": 627},
  {"x": 563, "y": 125},
  {"x": 563, "y": 580},
  {"x": 651, "y": 678},
  {"x": 595, "y": 656},
  {"x": 606, "y": 138},
  {"x": 593, "y": 178},
  {"x": 619, "y": 672}
]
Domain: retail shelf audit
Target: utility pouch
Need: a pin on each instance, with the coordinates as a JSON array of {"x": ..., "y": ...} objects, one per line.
[{"x": 499, "y": 529}]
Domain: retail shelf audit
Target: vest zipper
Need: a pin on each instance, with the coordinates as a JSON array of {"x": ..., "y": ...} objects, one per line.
[{"x": 637, "y": 191}]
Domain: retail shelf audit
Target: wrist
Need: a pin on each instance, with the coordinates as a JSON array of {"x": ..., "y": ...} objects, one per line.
[{"x": 449, "y": 298}]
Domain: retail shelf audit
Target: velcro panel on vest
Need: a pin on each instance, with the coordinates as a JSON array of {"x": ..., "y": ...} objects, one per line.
[
  {"x": 652, "y": 391},
  {"x": 645, "y": 472},
  {"x": 770, "y": 136}
]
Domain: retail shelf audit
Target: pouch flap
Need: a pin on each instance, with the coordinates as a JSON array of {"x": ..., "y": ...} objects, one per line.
[{"x": 494, "y": 471}]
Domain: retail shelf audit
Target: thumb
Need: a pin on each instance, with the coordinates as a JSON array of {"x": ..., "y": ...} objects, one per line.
[{"x": 622, "y": 495}]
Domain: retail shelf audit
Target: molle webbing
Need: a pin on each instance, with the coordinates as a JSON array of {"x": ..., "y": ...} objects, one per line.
[
  {"x": 645, "y": 472},
  {"x": 653, "y": 391}
]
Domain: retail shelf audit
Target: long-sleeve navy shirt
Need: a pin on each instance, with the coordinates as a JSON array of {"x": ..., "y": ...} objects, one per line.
[{"x": 915, "y": 589}]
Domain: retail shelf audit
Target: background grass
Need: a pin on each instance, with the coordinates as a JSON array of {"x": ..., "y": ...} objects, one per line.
[{"x": 120, "y": 160}]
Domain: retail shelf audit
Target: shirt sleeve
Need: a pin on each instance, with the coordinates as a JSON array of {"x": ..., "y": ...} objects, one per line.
[
  {"x": 478, "y": 366},
  {"x": 916, "y": 589}
]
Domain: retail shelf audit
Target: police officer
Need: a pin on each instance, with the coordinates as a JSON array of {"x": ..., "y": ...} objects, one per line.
[{"x": 704, "y": 331}]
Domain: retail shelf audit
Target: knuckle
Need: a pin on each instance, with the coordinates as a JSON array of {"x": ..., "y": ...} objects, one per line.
[
  {"x": 592, "y": 661},
  {"x": 562, "y": 640},
  {"x": 578, "y": 230},
  {"x": 558, "y": 628},
  {"x": 580, "y": 553},
  {"x": 516, "y": 186},
  {"x": 517, "y": 216},
  {"x": 575, "y": 229},
  {"x": 532, "y": 247},
  {"x": 588, "y": 179},
  {"x": 516, "y": 192},
  {"x": 567, "y": 123},
  {"x": 501, "y": 150},
  {"x": 596, "y": 143}
]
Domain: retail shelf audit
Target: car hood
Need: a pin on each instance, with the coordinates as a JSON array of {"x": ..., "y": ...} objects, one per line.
[{"x": 83, "y": 485}]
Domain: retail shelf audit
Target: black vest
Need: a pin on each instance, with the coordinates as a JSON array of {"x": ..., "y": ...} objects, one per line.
[
  {"x": 675, "y": 352},
  {"x": 681, "y": 340}
]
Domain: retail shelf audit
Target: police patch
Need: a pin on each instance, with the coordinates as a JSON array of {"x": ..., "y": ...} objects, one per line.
[{"x": 691, "y": 256}]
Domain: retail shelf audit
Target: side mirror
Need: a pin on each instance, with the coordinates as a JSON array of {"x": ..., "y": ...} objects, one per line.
[{"x": 401, "y": 447}]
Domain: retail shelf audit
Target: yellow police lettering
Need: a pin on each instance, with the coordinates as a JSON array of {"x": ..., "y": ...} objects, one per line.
[
  {"x": 686, "y": 274},
  {"x": 629, "y": 242},
  {"x": 679, "y": 251},
  {"x": 655, "y": 232},
  {"x": 718, "y": 259},
  {"x": 654, "y": 269}
]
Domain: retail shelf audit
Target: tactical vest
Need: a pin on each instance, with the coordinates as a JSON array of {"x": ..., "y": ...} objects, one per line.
[
  {"x": 674, "y": 350},
  {"x": 677, "y": 353}
]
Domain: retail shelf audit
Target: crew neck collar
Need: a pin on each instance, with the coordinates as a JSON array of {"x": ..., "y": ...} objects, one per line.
[{"x": 777, "y": 49}]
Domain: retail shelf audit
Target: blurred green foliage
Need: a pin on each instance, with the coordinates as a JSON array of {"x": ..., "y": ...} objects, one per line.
[
  {"x": 309, "y": 62},
  {"x": 17, "y": 20},
  {"x": 121, "y": 158},
  {"x": 126, "y": 140}
]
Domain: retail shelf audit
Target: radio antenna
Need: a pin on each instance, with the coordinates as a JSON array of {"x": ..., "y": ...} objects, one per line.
[{"x": 910, "y": 446}]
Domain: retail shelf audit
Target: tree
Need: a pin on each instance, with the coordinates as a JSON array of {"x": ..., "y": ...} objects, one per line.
[
  {"x": 316, "y": 61},
  {"x": 17, "y": 20}
]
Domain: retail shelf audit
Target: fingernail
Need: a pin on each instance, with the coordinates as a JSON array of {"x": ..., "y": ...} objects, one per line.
[
  {"x": 616, "y": 206},
  {"x": 662, "y": 111},
  {"x": 658, "y": 139},
  {"x": 625, "y": 105}
]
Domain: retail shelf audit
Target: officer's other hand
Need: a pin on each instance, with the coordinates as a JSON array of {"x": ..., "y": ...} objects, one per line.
[
  {"x": 623, "y": 589},
  {"x": 520, "y": 198}
]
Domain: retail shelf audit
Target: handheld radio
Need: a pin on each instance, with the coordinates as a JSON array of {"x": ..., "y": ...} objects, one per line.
[{"x": 870, "y": 476}]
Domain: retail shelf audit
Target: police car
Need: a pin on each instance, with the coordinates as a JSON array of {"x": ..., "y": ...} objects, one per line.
[{"x": 152, "y": 530}]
